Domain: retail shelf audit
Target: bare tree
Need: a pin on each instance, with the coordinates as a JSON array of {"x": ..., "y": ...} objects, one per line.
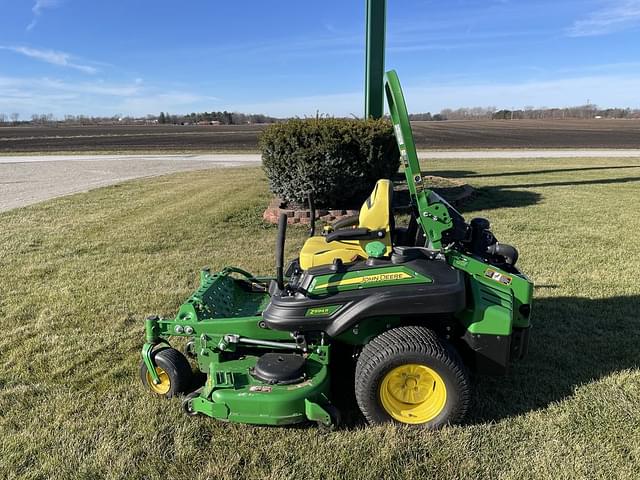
[{"x": 14, "y": 117}]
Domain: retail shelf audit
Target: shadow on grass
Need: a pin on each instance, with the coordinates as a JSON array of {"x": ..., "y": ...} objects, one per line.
[
  {"x": 510, "y": 196},
  {"x": 483, "y": 198},
  {"x": 490, "y": 198},
  {"x": 574, "y": 341},
  {"x": 597, "y": 181},
  {"x": 472, "y": 174}
]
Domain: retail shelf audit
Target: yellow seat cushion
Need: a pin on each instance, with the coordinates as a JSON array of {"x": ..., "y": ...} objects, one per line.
[
  {"x": 375, "y": 214},
  {"x": 317, "y": 251}
]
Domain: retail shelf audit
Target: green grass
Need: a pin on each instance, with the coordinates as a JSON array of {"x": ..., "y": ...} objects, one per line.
[{"x": 80, "y": 273}]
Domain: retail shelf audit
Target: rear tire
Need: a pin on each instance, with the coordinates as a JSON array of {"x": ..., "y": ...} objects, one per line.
[
  {"x": 408, "y": 375},
  {"x": 173, "y": 369}
]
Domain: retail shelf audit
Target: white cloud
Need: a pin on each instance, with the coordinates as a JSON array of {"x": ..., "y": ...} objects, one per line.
[
  {"x": 38, "y": 9},
  {"x": 53, "y": 57},
  {"x": 46, "y": 95},
  {"x": 97, "y": 88},
  {"x": 618, "y": 15}
]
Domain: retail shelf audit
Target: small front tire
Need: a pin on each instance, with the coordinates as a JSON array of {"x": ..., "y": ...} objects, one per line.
[{"x": 173, "y": 370}]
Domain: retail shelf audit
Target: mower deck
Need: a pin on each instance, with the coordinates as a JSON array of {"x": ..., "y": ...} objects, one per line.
[
  {"x": 224, "y": 313},
  {"x": 232, "y": 392}
]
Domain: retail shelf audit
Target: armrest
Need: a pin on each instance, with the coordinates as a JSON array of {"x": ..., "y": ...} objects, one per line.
[
  {"x": 354, "y": 234},
  {"x": 346, "y": 222}
]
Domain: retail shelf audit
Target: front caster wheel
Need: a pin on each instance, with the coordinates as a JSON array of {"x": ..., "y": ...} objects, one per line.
[
  {"x": 408, "y": 375},
  {"x": 173, "y": 370}
]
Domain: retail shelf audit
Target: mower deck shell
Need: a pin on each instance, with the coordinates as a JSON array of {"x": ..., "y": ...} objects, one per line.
[{"x": 233, "y": 394}]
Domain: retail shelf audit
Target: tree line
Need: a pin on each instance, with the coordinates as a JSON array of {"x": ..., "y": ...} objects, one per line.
[
  {"x": 165, "y": 118},
  {"x": 12, "y": 118},
  {"x": 223, "y": 118},
  {"x": 587, "y": 111}
]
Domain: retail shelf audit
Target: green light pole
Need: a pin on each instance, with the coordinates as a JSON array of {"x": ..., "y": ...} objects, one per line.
[{"x": 374, "y": 75}]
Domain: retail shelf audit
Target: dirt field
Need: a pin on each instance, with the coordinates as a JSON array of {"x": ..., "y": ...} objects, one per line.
[
  {"x": 528, "y": 134},
  {"x": 169, "y": 138},
  {"x": 441, "y": 135}
]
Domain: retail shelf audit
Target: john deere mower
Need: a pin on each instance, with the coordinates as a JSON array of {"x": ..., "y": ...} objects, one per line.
[{"x": 416, "y": 307}]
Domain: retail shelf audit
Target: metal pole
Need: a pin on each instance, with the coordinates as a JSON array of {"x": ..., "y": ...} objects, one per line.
[{"x": 374, "y": 75}]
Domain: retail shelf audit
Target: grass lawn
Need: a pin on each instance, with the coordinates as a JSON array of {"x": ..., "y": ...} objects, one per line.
[{"x": 80, "y": 273}]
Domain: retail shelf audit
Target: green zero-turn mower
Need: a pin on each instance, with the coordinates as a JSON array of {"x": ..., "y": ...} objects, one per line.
[{"x": 415, "y": 307}]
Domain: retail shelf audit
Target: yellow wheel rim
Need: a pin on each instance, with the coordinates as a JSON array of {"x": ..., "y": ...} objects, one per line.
[
  {"x": 413, "y": 393},
  {"x": 164, "y": 386}
]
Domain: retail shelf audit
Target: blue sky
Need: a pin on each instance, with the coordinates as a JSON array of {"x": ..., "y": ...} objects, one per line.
[{"x": 293, "y": 57}]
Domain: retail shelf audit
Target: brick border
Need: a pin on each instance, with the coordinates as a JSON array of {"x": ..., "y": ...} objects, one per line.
[{"x": 303, "y": 216}]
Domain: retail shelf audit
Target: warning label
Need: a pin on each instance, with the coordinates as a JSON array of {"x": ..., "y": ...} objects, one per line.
[{"x": 497, "y": 276}]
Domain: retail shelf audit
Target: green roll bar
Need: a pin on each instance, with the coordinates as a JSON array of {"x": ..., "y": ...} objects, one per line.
[{"x": 433, "y": 215}]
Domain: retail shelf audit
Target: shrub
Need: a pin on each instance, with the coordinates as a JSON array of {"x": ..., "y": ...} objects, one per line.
[{"x": 338, "y": 160}]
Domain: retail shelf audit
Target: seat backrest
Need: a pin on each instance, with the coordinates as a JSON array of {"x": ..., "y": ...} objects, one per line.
[{"x": 375, "y": 213}]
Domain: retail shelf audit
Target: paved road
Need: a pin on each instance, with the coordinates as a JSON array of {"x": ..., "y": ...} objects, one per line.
[
  {"x": 31, "y": 179},
  {"x": 25, "y": 180}
]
